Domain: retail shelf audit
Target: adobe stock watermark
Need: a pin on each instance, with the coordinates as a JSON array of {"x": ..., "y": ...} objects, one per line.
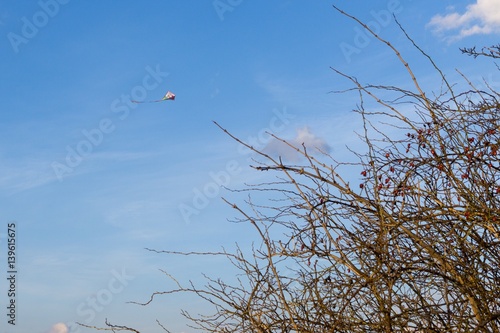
[
  {"x": 88, "y": 309},
  {"x": 120, "y": 107},
  {"x": 203, "y": 195},
  {"x": 223, "y": 6},
  {"x": 31, "y": 26},
  {"x": 362, "y": 38}
]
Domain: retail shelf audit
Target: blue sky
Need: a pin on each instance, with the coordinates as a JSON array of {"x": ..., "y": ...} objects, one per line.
[{"x": 90, "y": 179}]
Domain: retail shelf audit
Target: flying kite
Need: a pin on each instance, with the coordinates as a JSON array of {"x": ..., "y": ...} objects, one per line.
[{"x": 168, "y": 96}]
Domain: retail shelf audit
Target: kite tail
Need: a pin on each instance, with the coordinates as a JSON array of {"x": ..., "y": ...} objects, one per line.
[{"x": 138, "y": 102}]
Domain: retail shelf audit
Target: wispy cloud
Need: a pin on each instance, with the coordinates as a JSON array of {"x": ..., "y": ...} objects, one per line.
[
  {"x": 482, "y": 17},
  {"x": 304, "y": 137},
  {"x": 28, "y": 173},
  {"x": 23, "y": 175}
]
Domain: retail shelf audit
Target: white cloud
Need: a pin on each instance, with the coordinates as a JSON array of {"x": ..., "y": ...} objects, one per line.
[
  {"x": 304, "y": 136},
  {"x": 58, "y": 328},
  {"x": 482, "y": 17}
]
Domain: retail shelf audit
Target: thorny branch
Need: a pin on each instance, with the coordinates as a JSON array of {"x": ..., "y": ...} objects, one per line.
[{"x": 412, "y": 246}]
